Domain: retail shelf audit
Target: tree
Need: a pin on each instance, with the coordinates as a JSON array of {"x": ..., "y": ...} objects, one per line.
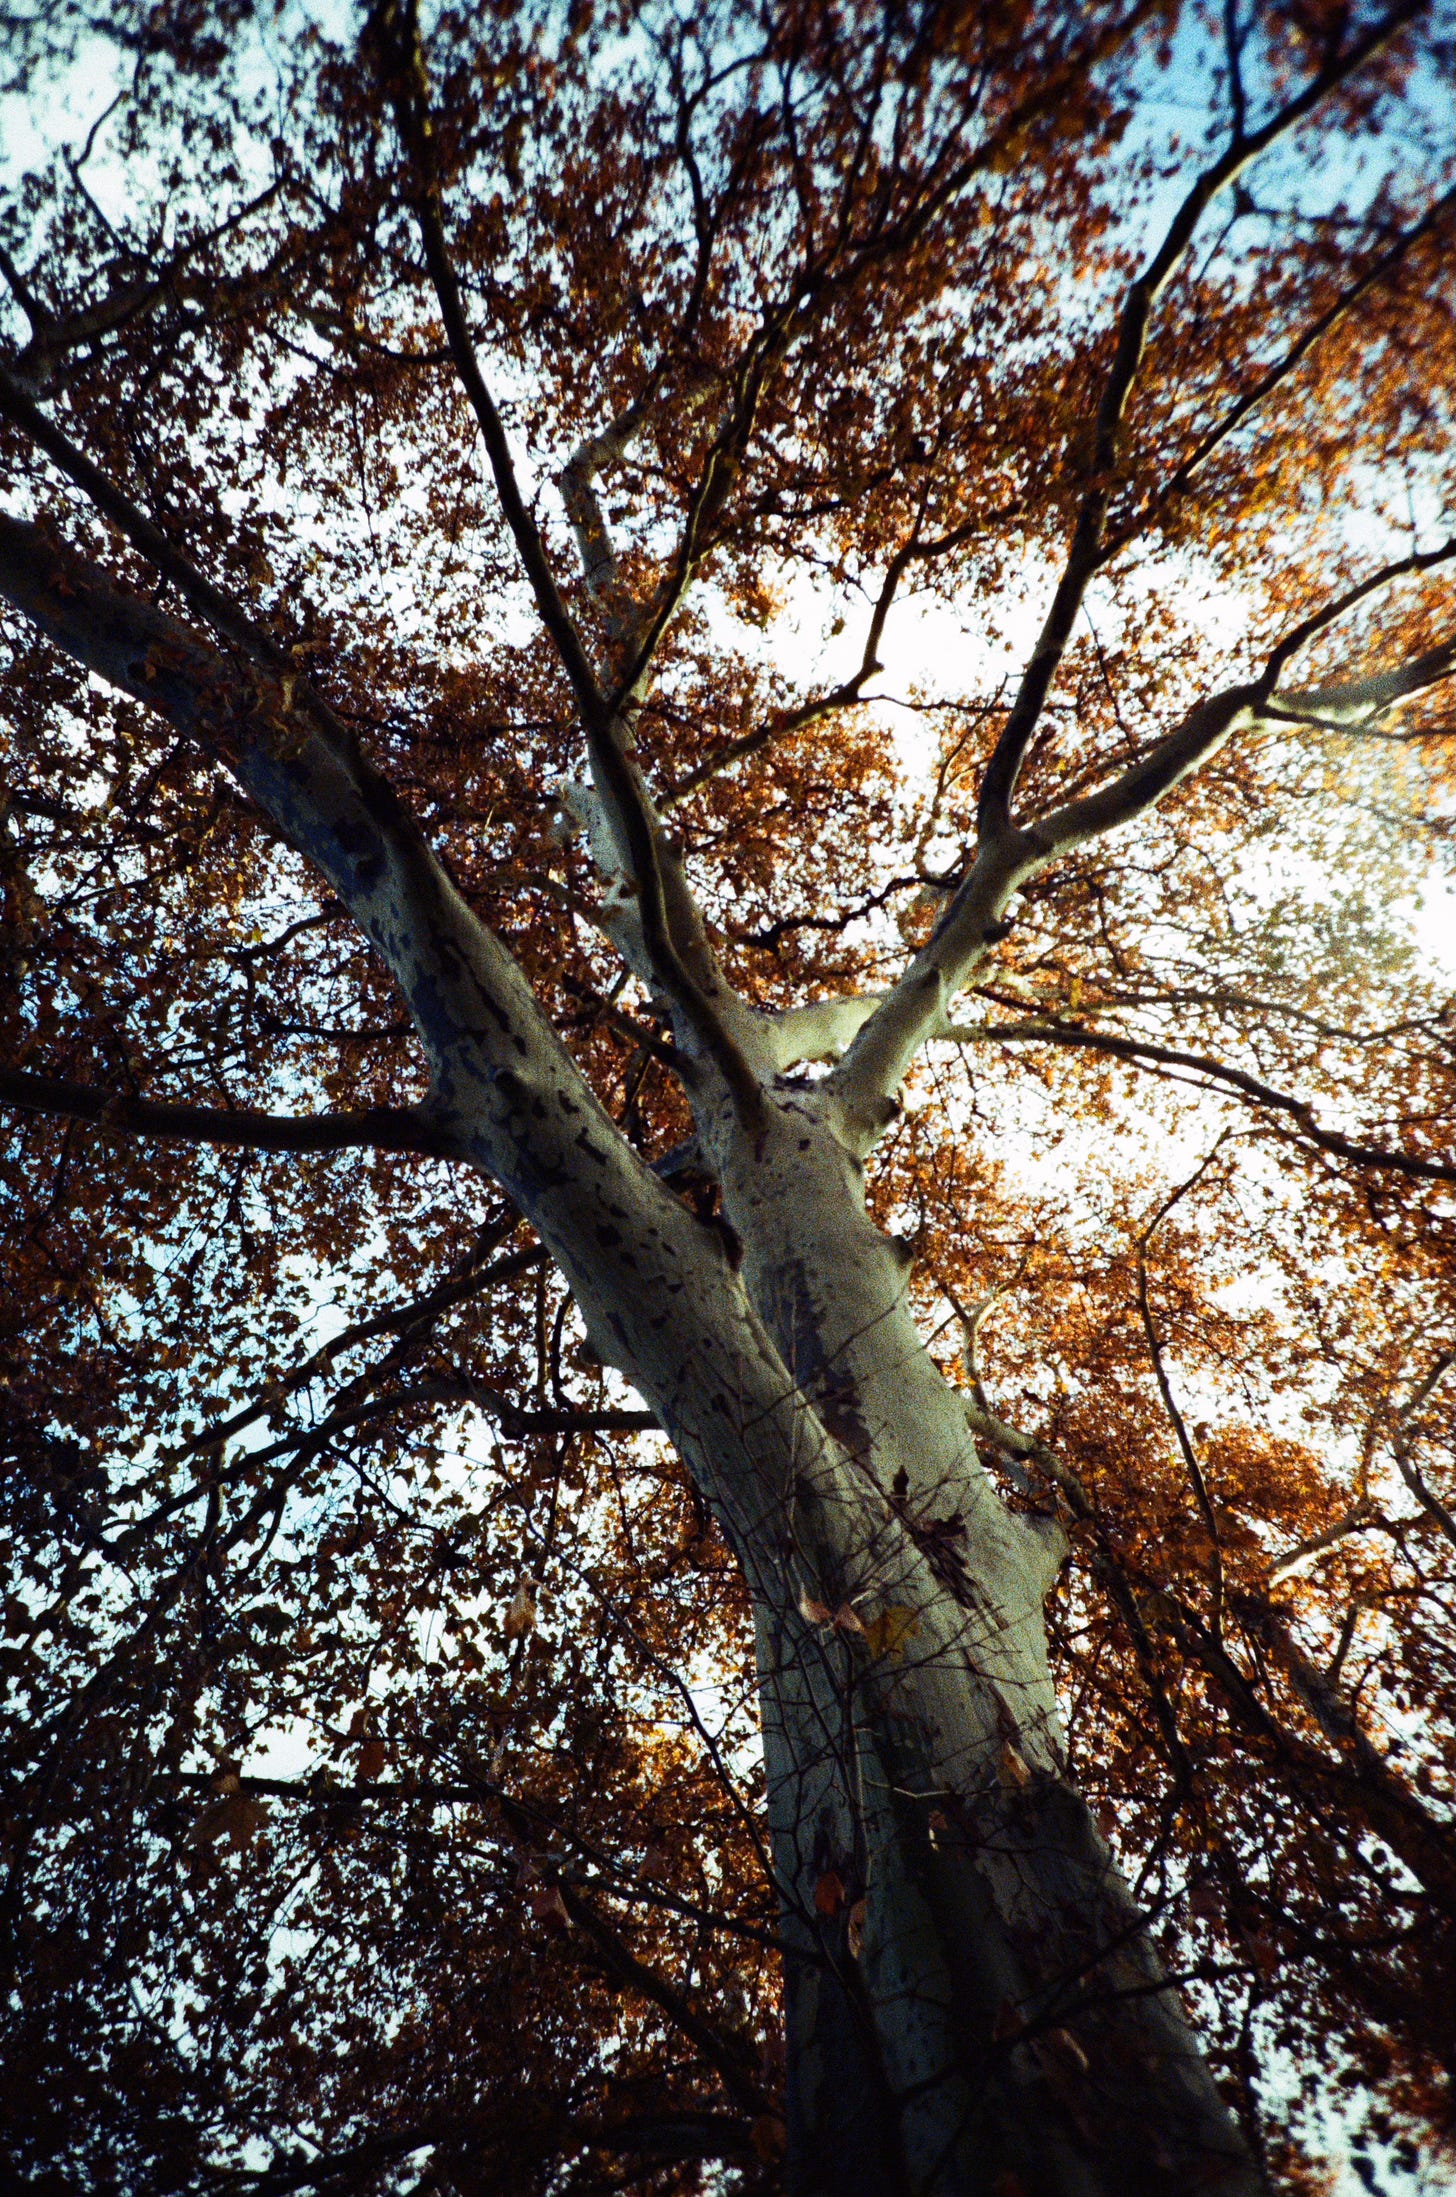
[{"x": 463, "y": 473}]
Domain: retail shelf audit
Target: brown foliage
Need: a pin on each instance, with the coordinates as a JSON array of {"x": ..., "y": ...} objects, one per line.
[{"x": 380, "y": 1769}]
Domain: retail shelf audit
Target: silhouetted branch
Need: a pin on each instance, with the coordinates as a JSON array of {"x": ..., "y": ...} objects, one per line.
[{"x": 379, "y": 1128}]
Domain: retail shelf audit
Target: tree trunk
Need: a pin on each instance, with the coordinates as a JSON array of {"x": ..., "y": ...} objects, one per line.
[
  {"x": 973, "y": 2004},
  {"x": 993, "y": 2019}
]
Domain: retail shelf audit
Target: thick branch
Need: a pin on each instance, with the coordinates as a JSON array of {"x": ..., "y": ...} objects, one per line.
[
  {"x": 53, "y": 338},
  {"x": 227, "y": 618},
  {"x": 1359, "y": 703},
  {"x": 1361, "y": 1517},
  {"x": 382, "y": 1128},
  {"x": 577, "y": 483},
  {"x": 1209, "y": 726},
  {"x": 621, "y": 1964},
  {"x": 619, "y": 783},
  {"x": 1005, "y": 861},
  {"x": 819, "y": 1030},
  {"x": 658, "y": 1296}
]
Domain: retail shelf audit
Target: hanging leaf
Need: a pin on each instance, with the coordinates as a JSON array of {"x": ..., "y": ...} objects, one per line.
[
  {"x": 829, "y": 1893},
  {"x": 520, "y": 1617},
  {"x": 546, "y": 1906}
]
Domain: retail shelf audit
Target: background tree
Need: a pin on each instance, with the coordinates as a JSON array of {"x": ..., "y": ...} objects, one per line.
[{"x": 579, "y": 1185}]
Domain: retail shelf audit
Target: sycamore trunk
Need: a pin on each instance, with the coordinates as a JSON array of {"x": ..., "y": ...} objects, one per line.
[{"x": 972, "y": 2001}]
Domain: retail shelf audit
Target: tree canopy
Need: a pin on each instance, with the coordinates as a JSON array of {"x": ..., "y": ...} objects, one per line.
[{"x": 711, "y": 474}]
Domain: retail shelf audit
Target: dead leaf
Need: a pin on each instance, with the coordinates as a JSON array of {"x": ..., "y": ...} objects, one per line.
[
  {"x": 546, "y": 1906},
  {"x": 1061, "y": 2055},
  {"x": 237, "y": 1817},
  {"x": 520, "y": 1616},
  {"x": 856, "y": 1929},
  {"x": 1012, "y": 1768},
  {"x": 829, "y": 1893},
  {"x": 888, "y": 1633}
]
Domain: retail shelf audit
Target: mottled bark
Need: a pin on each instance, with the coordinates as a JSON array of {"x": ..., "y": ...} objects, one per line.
[
  {"x": 973, "y": 2004},
  {"x": 992, "y": 2007}
]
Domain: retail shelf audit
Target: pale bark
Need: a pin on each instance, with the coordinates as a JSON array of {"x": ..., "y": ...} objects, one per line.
[
  {"x": 994, "y": 2007},
  {"x": 1001, "y": 2010},
  {"x": 978, "y": 2006}
]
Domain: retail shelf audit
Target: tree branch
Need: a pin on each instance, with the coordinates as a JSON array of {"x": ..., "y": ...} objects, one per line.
[
  {"x": 1361, "y": 698},
  {"x": 619, "y": 785},
  {"x": 844, "y": 696},
  {"x": 381, "y": 1128},
  {"x": 1170, "y": 1402},
  {"x": 1414, "y": 1479},
  {"x": 395, "y": 25},
  {"x": 1083, "y": 555},
  {"x": 1140, "y": 1050},
  {"x": 401, "y": 1319},
  {"x": 227, "y": 617},
  {"x": 673, "y": 2134},
  {"x": 53, "y": 338},
  {"x": 914, "y": 1010},
  {"x": 1360, "y": 1517},
  {"x": 577, "y": 483},
  {"x": 1324, "y": 324}
]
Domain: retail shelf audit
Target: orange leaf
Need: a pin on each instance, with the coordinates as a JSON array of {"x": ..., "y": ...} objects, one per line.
[
  {"x": 1012, "y": 1767},
  {"x": 520, "y": 1616},
  {"x": 829, "y": 1892}
]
